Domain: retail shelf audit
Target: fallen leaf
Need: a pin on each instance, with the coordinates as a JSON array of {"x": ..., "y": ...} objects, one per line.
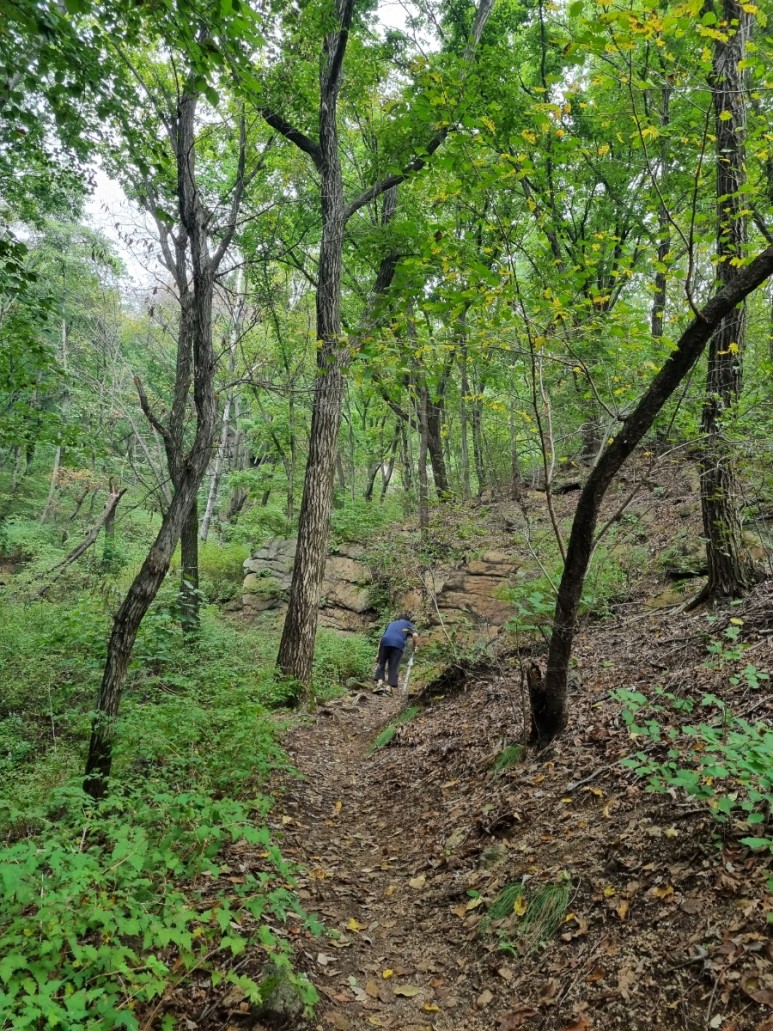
[
  {"x": 764, "y": 996},
  {"x": 549, "y": 992},
  {"x": 512, "y": 1021},
  {"x": 520, "y": 905},
  {"x": 484, "y": 999},
  {"x": 582, "y": 1024},
  {"x": 664, "y": 892},
  {"x": 386, "y": 974},
  {"x": 609, "y": 891},
  {"x": 418, "y": 882},
  {"x": 355, "y": 925},
  {"x": 372, "y": 989},
  {"x": 408, "y": 990},
  {"x": 430, "y": 1007},
  {"x": 622, "y": 909},
  {"x": 671, "y": 832},
  {"x": 474, "y": 903}
]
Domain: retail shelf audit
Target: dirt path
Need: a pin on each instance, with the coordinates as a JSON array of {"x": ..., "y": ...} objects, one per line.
[{"x": 356, "y": 824}]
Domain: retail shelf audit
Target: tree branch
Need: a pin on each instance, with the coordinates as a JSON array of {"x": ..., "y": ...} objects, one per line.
[{"x": 301, "y": 141}]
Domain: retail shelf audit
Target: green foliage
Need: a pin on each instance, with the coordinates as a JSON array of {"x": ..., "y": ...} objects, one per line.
[
  {"x": 339, "y": 658},
  {"x": 509, "y": 756},
  {"x": 523, "y": 917},
  {"x": 96, "y": 917},
  {"x": 104, "y": 908},
  {"x": 726, "y": 763},
  {"x": 386, "y": 735},
  {"x": 221, "y": 570},
  {"x": 360, "y": 521}
]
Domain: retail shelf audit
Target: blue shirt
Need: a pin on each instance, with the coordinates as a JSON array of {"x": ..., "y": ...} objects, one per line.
[{"x": 397, "y": 633}]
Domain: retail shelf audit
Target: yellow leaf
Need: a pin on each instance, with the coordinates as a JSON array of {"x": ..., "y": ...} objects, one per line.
[
  {"x": 520, "y": 906},
  {"x": 339, "y": 806},
  {"x": 596, "y": 791},
  {"x": 474, "y": 903},
  {"x": 604, "y": 149},
  {"x": 622, "y": 909},
  {"x": 663, "y": 893},
  {"x": 430, "y": 1007},
  {"x": 355, "y": 925},
  {"x": 735, "y": 620},
  {"x": 725, "y": 116},
  {"x": 408, "y": 990},
  {"x": 609, "y": 891},
  {"x": 386, "y": 974}
]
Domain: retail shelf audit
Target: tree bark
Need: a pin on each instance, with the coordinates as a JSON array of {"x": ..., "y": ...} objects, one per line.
[
  {"x": 552, "y": 716},
  {"x": 730, "y": 570},
  {"x": 296, "y": 649}
]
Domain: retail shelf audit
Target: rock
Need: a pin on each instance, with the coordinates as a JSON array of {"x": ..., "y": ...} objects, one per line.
[
  {"x": 346, "y": 593},
  {"x": 281, "y": 1005}
]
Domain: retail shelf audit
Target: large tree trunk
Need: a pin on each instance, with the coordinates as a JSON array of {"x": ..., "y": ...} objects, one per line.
[
  {"x": 730, "y": 571},
  {"x": 552, "y": 707},
  {"x": 296, "y": 649}
]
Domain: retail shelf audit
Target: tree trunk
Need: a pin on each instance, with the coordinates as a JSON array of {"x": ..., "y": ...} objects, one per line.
[
  {"x": 551, "y": 718},
  {"x": 189, "y": 598},
  {"x": 296, "y": 649},
  {"x": 423, "y": 447},
  {"x": 730, "y": 571},
  {"x": 194, "y": 464},
  {"x": 477, "y": 439},
  {"x": 127, "y": 622},
  {"x": 217, "y": 472}
]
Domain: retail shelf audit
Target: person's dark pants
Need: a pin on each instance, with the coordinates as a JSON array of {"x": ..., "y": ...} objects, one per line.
[{"x": 388, "y": 664}]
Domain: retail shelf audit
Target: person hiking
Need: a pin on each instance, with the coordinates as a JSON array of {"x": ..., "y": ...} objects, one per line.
[{"x": 391, "y": 647}]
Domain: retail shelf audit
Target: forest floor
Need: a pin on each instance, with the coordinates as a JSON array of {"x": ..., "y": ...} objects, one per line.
[
  {"x": 405, "y": 847},
  {"x": 627, "y": 909}
]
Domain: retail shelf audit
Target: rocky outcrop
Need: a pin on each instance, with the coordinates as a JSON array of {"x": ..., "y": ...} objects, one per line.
[
  {"x": 346, "y": 592},
  {"x": 471, "y": 596}
]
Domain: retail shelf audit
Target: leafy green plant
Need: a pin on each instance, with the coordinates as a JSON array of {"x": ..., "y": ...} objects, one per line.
[
  {"x": 509, "y": 756},
  {"x": 522, "y": 917},
  {"x": 94, "y": 917},
  {"x": 386, "y": 735},
  {"x": 727, "y": 764},
  {"x": 339, "y": 658}
]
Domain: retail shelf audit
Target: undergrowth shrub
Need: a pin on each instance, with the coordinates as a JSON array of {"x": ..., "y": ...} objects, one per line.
[
  {"x": 110, "y": 906},
  {"x": 104, "y": 908},
  {"x": 722, "y": 760},
  {"x": 341, "y": 657}
]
